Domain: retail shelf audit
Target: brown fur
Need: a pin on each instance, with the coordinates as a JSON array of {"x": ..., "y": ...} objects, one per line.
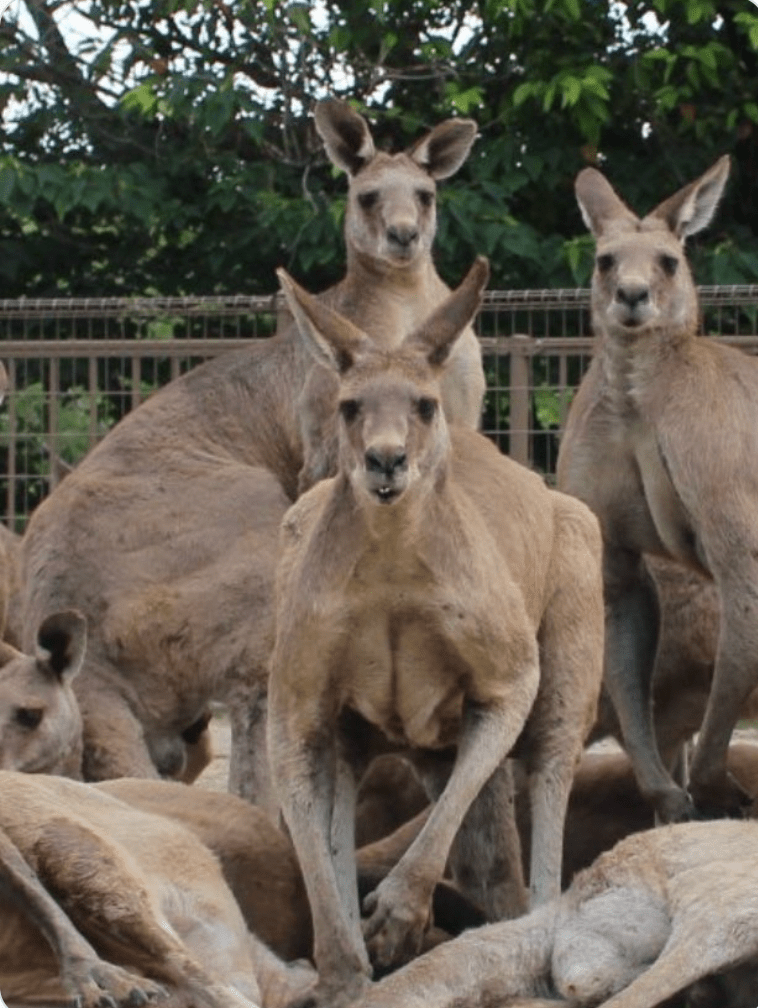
[
  {"x": 130, "y": 903},
  {"x": 259, "y": 863},
  {"x": 390, "y": 793},
  {"x": 122, "y": 857},
  {"x": 165, "y": 535},
  {"x": 660, "y": 911},
  {"x": 606, "y": 805},
  {"x": 660, "y": 443},
  {"x": 40, "y": 724},
  {"x": 391, "y": 284},
  {"x": 434, "y": 598}
]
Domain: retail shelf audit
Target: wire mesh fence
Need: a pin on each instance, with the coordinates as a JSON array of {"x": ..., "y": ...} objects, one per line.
[{"x": 76, "y": 366}]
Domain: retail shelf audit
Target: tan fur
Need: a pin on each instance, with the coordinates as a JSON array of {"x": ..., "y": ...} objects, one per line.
[
  {"x": 660, "y": 443},
  {"x": 391, "y": 284},
  {"x": 142, "y": 908},
  {"x": 258, "y": 860},
  {"x": 165, "y": 535},
  {"x": 40, "y": 724},
  {"x": 661, "y": 910},
  {"x": 437, "y": 599},
  {"x": 149, "y": 880}
]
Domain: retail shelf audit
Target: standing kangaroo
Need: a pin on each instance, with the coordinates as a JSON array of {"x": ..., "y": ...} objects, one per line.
[
  {"x": 434, "y": 598},
  {"x": 662, "y": 443},
  {"x": 165, "y": 535}
]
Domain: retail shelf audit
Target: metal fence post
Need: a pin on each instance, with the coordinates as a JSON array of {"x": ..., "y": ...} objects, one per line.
[{"x": 520, "y": 399}]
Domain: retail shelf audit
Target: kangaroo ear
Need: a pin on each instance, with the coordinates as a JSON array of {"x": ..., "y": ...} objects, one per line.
[
  {"x": 443, "y": 151},
  {"x": 61, "y": 642},
  {"x": 345, "y": 134},
  {"x": 332, "y": 339},
  {"x": 436, "y": 337},
  {"x": 691, "y": 209},
  {"x": 598, "y": 202}
]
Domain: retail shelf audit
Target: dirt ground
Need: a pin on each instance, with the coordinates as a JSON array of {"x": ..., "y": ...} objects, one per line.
[{"x": 215, "y": 777}]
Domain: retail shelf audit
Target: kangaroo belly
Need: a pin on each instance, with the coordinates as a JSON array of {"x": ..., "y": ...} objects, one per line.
[
  {"x": 672, "y": 522},
  {"x": 405, "y": 678}
]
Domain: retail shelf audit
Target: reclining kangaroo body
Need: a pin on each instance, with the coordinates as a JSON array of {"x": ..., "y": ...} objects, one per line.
[
  {"x": 434, "y": 598},
  {"x": 140, "y": 908},
  {"x": 661, "y": 442},
  {"x": 165, "y": 535},
  {"x": 657, "y": 913}
]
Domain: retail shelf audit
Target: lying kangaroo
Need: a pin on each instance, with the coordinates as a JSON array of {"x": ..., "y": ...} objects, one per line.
[
  {"x": 113, "y": 904},
  {"x": 125, "y": 860},
  {"x": 661, "y": 440},
  {"x": 437, "y": 599},
  {"x": 165, "y": 535},
  {"x": 650, "y": 917},
  {"x": 40, "y": 723}
]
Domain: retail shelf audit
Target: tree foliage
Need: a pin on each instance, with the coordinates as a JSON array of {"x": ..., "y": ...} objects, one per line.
[{"x": 166, "y": 147}]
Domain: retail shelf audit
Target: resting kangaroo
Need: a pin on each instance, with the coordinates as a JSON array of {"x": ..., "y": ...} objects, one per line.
[
  {"x": 661, "y": 442},
  {"x": 657, "y": 913},
  {"x": 165, "y": 535},
  {"x": 437, "y": 599},
  {"x": 107, "y": 903}
]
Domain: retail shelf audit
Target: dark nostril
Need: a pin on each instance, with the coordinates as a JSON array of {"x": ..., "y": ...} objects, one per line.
[
  {"x": 633, "y": 296},
  {"x": 402, "y": 235},
  {"x": 387, "y": 463}
]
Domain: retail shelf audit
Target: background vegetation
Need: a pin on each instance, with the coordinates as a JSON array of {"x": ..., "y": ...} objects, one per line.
[{"x": 164, "y": 147}]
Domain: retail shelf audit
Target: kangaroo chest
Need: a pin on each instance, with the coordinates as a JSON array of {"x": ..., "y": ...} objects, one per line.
[{"x": 402, "y": 670}]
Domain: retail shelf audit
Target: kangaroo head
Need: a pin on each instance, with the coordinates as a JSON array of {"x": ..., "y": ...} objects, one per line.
[
  {"x": 40, "y": 722},
  {"x": 642, "y": 280},
  {"x": 390, "y": 213},
  {"x": 392, "y": 430}
]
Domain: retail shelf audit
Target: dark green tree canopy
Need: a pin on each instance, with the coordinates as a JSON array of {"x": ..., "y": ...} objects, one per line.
[{"x": 164, "y": 147}]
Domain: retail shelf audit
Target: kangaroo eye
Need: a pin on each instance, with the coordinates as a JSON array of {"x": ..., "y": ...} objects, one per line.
[
  {"x": 605, "y": 262},
  {"x": 669, "y": 264},
  {"x": 425, "y": 197},
  {"x": 29, "y": 717},
  {"x": 426, "y": 409},
  {"x": 368, "y": 199},
  {"x": 349, "y": 408}
]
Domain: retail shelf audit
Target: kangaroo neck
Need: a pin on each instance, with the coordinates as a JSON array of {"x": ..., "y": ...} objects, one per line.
[
  {"x": 633, "y": 365},
  {"x": 365, "y": 271}
]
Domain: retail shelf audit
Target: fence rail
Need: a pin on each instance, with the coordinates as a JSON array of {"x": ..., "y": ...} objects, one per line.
[{"x": 76, "y": 366}]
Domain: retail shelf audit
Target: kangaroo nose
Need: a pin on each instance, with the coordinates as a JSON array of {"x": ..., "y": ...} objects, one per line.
[
  {"x": 402, "y": 235},
  {"x": 386, "y": 462},
  {"x": 633, "y": 295}
]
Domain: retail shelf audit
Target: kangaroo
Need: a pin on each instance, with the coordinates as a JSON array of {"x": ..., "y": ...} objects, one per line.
[
  {"x": 40, "y": 723},
  {"x": 165, "y": 535},
  {"x": 661, "y": 910},
  {"x": 435, "y": 598},
  {"x": 660, "y": 442},
  {"x": 109, "y": 904}
]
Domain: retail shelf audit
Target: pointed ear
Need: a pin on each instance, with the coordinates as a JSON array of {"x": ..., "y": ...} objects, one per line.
[
  {"x": 691, "y": 209},
  {"x": 598, "y": 201},
  {"x": 61, "y": 641},
  {"x": 437, "y": 336},
  {"x": 443, "y": 151},
  {"x": 345, "y": 134},
  {"x": 332, "y": 339}
]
